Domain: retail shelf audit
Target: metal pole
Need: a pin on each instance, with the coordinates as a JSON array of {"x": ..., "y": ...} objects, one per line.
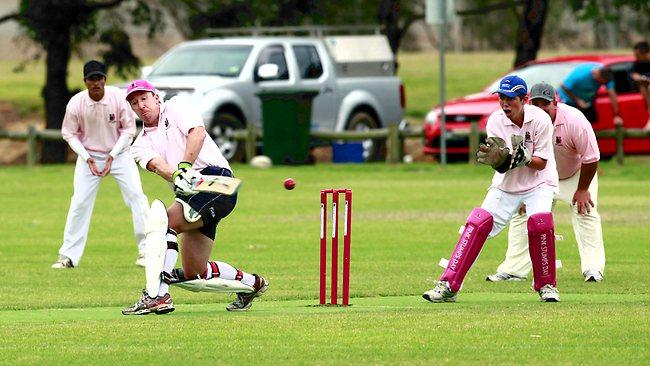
[{"x": 443, "y": 122}]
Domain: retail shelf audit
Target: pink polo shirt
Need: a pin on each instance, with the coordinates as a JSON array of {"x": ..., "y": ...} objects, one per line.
[
  {"x": 98, "y": 125},
  {"x": 169, "y": 139},
  {"x": 537, "y": 130},
  {"x": 574, "y": 141}
]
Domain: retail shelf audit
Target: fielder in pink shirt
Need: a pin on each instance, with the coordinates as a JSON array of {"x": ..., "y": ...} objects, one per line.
[
  {"x": 174, "y": 145},
  {"x": 519, "y": 147},
  {"x": 577, "y": 156},
  {"x": 99, "y": 126}
]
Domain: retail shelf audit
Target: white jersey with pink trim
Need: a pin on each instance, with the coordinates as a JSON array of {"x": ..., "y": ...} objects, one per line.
[
  {"x": 98, "y": 124},
  {"x": 169, "y": 139},
  {"x": 537, "y": 131},
  {"x": 574, "y": 141}
]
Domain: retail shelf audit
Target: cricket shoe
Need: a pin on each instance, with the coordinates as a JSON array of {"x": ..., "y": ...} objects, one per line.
[
  {"x": 441, "y": 293},
  {"x": 63, "y": 262},
  {"x": 549, "y": 293},
  {"x": 593, "y": 275},
  {"x": 503, "y": 276},
  {"x": 140, "y": 261},
  {"x": 244, "y": 301},
  {"x": 148, "y": 305}
]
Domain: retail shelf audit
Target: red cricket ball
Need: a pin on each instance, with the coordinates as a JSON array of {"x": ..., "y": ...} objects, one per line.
[{"x": 289, "y": 183}]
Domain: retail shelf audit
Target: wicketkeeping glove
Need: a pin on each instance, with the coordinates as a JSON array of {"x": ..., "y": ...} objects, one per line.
[
  {"x": 185, "y": 179},
  {"x": 493, "y": 152},
  {"x": 520, "y": 154}
]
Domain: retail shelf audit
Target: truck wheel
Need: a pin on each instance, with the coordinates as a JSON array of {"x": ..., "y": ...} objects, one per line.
[
  {"x": 223, "y": 124},
  {"x": 373, "y": 150}
]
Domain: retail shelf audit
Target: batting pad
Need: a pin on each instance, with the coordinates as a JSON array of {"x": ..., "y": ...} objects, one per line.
[
  {"x": 215, "y": 284},
  {"x": 541, "y": 245},
  {"x": 155, "y": 246},
  {"x": 475, "y": 232}
]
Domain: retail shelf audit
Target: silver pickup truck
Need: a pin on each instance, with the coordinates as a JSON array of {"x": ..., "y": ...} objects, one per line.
[{"x": 355, "y": 77}]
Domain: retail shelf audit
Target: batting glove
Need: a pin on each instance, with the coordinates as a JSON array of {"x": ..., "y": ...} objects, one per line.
[{"x": 185, "y": 179}]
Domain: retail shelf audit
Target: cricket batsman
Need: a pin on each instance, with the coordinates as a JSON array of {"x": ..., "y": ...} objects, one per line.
[
  {"x": 173, "y": 145},
  {"x": 519, "y": 147}
]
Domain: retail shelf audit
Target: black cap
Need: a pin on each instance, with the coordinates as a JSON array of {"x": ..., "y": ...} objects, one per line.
[{"x": 93, "y": 67}]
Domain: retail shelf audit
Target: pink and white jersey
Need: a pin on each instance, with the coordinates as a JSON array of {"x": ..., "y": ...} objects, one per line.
[
  {"x": 537, "y": 131},
  {"x": 574, "y": 141},
  {"x": 98, "y": 125},
  {"x": 169, "y": 139}
]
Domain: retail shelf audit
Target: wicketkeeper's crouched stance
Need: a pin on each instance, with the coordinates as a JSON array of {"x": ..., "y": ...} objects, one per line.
[
  {"x": 174, "y": 136},
  {"x": 525, "y": 174}
]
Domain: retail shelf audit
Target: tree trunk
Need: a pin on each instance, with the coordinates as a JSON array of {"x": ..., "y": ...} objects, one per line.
[
  {"x": 531, "y": 28},
  {"x": 389, "y": 17},
  {"x": 55, "y": 91}
]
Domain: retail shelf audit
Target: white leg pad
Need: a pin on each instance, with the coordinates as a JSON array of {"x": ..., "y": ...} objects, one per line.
[
  {"x": 155, "y": 245},
  {"x": 215, "y": 285}
]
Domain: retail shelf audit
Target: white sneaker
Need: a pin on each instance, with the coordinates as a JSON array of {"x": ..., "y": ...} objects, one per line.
[
  {"x": 593, "y": 275},
  {"x": 441, "y": 293},
  {"x": 63, "y": 262},
  {"x": 140, "y": 261},
  {"x": 549, "y": 293},
  {"x": 503, "y": 276}
]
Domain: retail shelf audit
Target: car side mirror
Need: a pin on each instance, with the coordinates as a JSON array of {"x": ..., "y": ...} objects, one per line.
[
  {"x": 268, "y": 71},
  {"x": 145, "y": 71}
]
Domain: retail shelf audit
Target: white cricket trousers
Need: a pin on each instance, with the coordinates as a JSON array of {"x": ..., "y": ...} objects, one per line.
[
  {"x": 86, "y": 185},
  {"x": 503, "y": 205},
  {"x": 587, "y": 229}
]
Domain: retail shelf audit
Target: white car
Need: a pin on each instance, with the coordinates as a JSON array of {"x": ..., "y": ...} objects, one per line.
[{"x": 354, "y": 76}]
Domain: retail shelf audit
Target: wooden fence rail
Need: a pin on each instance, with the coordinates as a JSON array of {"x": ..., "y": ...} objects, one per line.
[{"x": 393, "y": 135}]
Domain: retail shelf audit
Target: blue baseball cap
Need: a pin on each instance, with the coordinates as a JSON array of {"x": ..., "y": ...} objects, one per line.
[{"x": 512, "y": 86}]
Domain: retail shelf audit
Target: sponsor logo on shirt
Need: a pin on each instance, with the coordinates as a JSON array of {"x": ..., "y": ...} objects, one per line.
[
  {"x": 111, "y": 118},
  {"x": 528, "y": 139},
  {"x": 558, "y": 140}
]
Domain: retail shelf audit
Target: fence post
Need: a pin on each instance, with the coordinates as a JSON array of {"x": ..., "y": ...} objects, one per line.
[
  {"x": 31, "y": 145},
  {"x": 473, "y": 142},
  {"x": 250, "y": 142},
  {"x": 619, "y": 144},
  {"x": 393, "y": 144}
]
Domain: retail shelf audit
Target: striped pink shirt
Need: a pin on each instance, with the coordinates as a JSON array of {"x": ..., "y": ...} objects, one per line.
[
  {"x": 574, "y": 141},
  {"x": 98, "y": 125},
  {"x": 537, "y": 131},
  {"x": 169, "y": 139}
]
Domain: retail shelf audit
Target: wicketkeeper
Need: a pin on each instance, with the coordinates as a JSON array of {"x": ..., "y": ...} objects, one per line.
[
  {"x": 519, "y": 148},
  {"x": 174, "y": 145},
  {"x": 576, "y": 155}
]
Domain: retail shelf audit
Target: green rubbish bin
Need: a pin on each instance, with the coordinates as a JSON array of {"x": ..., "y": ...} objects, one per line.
[{"x": 286, "y": 116}]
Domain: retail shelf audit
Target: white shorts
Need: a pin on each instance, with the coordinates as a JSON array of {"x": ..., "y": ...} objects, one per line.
[{"x": 502, "y": 205}]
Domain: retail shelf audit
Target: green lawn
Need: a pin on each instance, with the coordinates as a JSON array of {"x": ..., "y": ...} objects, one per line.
[{"x": 406, "y": 218}]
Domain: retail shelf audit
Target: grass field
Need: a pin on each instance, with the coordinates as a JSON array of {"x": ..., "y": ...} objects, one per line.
[{"x": 406, "y": 218}]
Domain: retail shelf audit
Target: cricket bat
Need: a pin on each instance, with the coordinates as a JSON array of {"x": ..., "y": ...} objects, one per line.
[{"x": 218, "y": 184}]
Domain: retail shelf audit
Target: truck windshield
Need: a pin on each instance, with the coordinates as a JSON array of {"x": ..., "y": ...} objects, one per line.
[{"x": 221, "y": 60}]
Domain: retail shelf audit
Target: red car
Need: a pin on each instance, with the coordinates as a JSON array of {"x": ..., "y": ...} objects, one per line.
[{"x": 478, "y": 107}]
